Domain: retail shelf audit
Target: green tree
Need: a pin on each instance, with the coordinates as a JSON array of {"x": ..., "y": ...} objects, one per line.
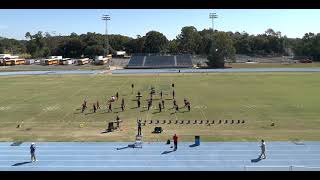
[
  {"x": 73, "y": 48},
  {"x": 189, "y": 40},
  {"x": 94, "y": 50},
  {"x": 222, "y": 49},
  {"x": 155, "y": 42},
  {"x": 173, "y": 46}
]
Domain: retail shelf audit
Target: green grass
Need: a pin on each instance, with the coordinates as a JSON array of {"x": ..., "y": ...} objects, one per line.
[
  {"x": 274, "y": 65},
  {"x": 49, "y": 106}
]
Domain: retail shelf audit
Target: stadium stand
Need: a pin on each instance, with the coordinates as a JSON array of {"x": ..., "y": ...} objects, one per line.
[
  {"x": 136, "y": 61},
  {"x": 184, "y": 60},
  {"x": 159, "y": 61}
]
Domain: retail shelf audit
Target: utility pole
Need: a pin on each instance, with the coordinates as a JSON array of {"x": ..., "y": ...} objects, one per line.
[
  {"x": 106, "y": 18},
  {"x": 213, "y": 16}
]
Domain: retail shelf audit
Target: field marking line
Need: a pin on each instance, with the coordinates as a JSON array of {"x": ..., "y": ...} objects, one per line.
[{"x": 203, "y": 115}]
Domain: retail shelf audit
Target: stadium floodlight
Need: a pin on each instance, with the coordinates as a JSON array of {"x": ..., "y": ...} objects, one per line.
[
  {"x": 106, "y": 18},
  {"x": 213, "y": 16}
]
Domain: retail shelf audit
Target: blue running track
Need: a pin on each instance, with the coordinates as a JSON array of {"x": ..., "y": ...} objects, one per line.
[{"x": 114, "y": 156}]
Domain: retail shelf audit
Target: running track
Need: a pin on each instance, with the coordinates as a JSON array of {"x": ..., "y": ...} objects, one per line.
[{"x": 156, "y": 156}]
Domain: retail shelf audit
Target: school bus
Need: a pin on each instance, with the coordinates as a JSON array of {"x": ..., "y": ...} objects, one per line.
[
  {"x": 83, "y": 61},
  {"x": 5, "y": 62},
  {"x": 101, "y": 61},
  {"x": 18, "y": 61},
  {"x": 49, "y": 61},
  {"x": 65, "y": 61}
]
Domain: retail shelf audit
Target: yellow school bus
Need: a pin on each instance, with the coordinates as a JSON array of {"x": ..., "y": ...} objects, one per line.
[
  {"x": 49, "y": 61},
  {"x": 83, "y": 61},
  {"x": 18, "y": 61}
]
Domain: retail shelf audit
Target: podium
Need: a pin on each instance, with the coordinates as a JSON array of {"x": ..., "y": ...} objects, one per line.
[{"x": 138, "y": 143}]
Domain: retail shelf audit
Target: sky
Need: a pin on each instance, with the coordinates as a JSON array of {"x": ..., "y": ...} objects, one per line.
[{"x": 133, "y": 22}]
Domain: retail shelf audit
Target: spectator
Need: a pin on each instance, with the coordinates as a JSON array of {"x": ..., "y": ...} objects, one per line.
[
  {"x": 33, "y": 152},
  {"x": 175, "y": 141},
  {"x": 263, "y": 149}
]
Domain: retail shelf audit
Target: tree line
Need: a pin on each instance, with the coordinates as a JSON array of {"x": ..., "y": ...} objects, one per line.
[{"x": 190, "y": 40}]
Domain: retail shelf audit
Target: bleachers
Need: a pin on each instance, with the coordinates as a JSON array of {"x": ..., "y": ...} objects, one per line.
[
  {"x": 136, "y": 61},
  {"x": 160, "y": 61},
  {"x": 184, "y": 61}
]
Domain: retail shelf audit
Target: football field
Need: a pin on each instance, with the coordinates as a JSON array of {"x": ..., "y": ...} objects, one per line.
[{"x": 48, "y": 107}]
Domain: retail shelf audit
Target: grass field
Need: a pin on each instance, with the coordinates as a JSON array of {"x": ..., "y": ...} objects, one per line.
[
  {"x": 49, "y": 106},
  {"x": 274, "y": 65}
]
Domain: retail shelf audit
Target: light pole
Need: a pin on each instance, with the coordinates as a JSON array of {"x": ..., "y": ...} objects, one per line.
[
  {"x": 213, "y": 16},
  {"x": 106, "y": 18}
]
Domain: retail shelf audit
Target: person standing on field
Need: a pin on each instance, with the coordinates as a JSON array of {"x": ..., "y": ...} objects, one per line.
[
  {"x": 139, "y": 128},
  {"x": 122, "y": 104},
  {"x": 94, "y": 108},
  {"x": 132, "y": 86},
  {"x": 83, "y": 108},
  {"x": 98, "y": 105},
  {"x": 160, "y": 107},
  {"x": 138, "y": 103},
  {"x": 174, "y": 103},
  {"x": 110, "y": 107},
  {"x": 162, "y": 104}
]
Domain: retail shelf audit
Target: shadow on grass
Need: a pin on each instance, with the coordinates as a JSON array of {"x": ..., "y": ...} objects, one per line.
[
  {"x": 134, "y": 108},
  {"x": 156, "y": 112},
  {"x": 144, "y": 110},
  {"x": 22, "y": 163}
]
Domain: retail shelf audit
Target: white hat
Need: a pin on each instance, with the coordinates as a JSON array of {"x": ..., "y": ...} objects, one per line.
[{"x": 32, "y": 143}]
